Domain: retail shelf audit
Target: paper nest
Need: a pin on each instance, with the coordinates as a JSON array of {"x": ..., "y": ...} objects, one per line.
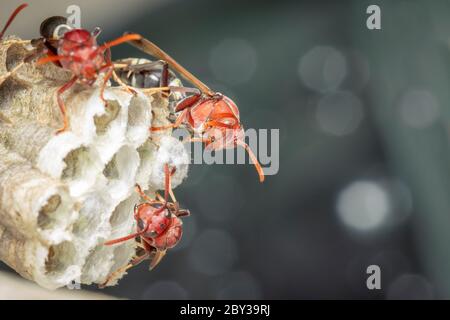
[{"x": 62, "y": 196}]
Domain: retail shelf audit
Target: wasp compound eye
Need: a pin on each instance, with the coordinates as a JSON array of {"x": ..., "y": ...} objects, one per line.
[
  {"x": 141, "y": 224},
  {"x": 52, "y": 24},
  {"x": 152, "y": 234}
]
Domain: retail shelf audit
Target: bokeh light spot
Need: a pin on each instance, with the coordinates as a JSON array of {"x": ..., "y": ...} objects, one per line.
[
  {"x": 339, "y": 113},
  {"x": 419, "y": 109},
  {"x": 363, "y": 205},
  {"x": 322, "y": 68}
]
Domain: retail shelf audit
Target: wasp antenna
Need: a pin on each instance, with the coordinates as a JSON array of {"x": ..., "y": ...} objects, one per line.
[
  {"x": 254, "y": 160},
  {"x": 157, "y": 258},
  {"x": 48, "y": 59},
  {"x": 167, "y": 182},
  {"x": 142, "y": 194},
  {"x": 11, "y": 18},
  {"x": 168, "y": 187},
  {"x": 126, "y": 238},
  {"x": 122, "y": 39}
]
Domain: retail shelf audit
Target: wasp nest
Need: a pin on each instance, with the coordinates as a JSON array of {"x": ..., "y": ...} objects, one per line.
[{"x": 62, "y": 196}]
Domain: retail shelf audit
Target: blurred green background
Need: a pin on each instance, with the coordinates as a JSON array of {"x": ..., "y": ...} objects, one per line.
[{"x": 364, "y": 145}]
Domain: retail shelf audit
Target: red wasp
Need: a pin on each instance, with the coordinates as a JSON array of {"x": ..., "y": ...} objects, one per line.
[
  {"x": 213, "y": 117},
  {"x": 78, "y": 52},
  {"x": 75, "y": 50},
  {"x": 158, "y": 226}
]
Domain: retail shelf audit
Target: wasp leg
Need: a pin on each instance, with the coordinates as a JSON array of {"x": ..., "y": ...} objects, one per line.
[
  {"x": 134, "y": 262},
  {"x": 116, "y": 78},
  {"x": 164, "y": 80},
  {"x": 168, "y": 184},
  {"x": 109, "y": 71},
  {"x": 181, "y": 118},
  {"x": 159, "y": 254},
  {"x": 143, "y": 195},
  {"x": 61, "y": 105},
  {"x": 126, "y": 87}
]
